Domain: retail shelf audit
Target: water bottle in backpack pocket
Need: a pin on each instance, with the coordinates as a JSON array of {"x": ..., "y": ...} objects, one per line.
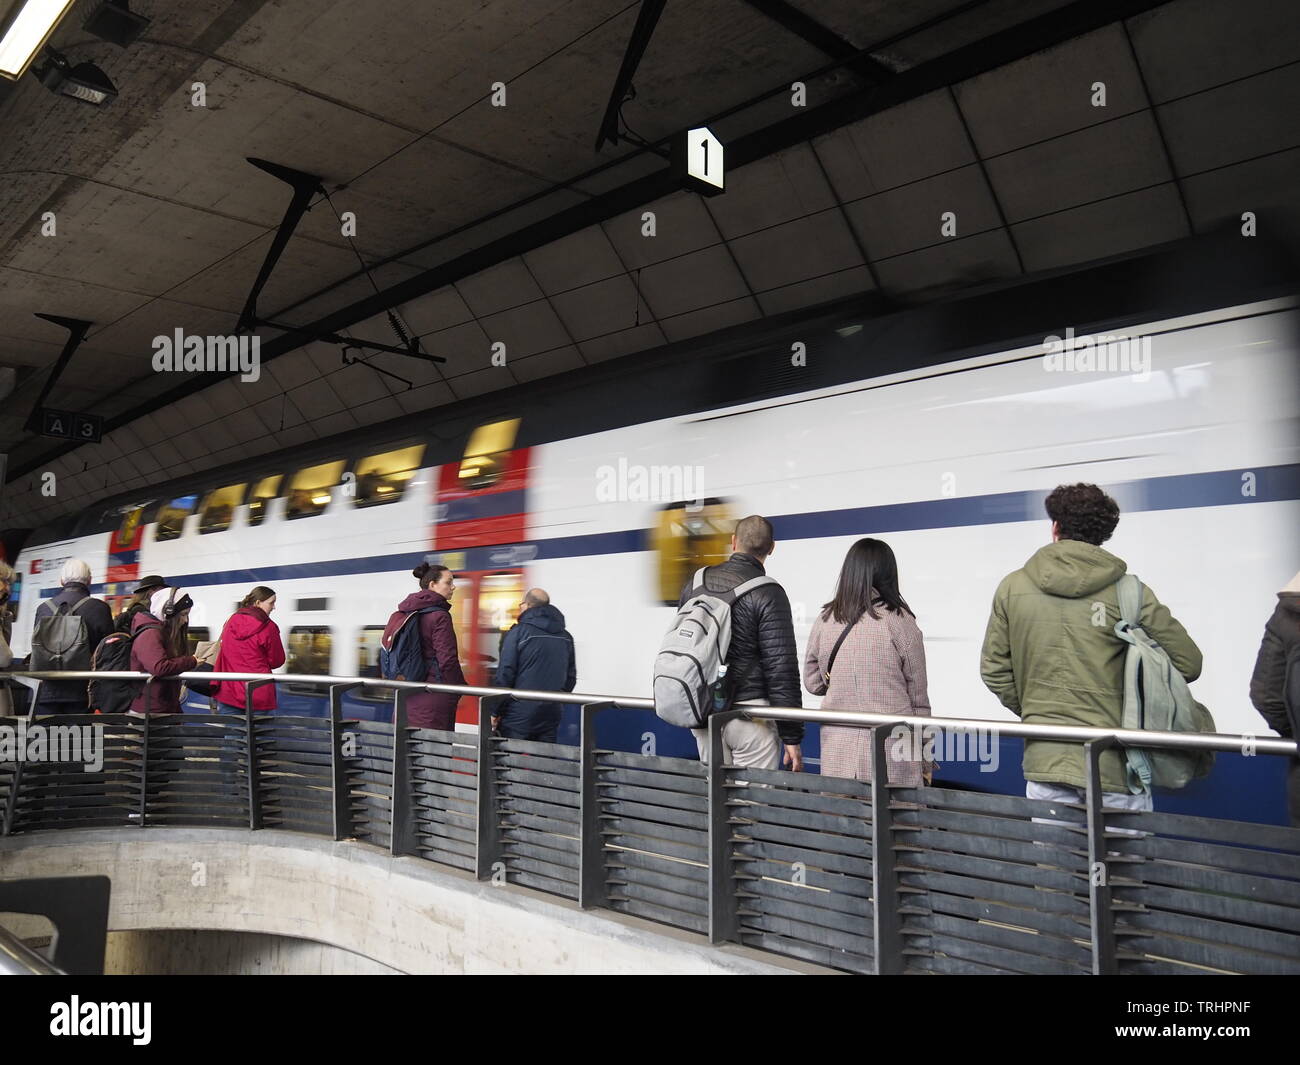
[{"x": 691, "y": 679}]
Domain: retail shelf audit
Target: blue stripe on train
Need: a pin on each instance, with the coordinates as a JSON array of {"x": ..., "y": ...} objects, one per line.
[{"x": 1266, "y": 484}]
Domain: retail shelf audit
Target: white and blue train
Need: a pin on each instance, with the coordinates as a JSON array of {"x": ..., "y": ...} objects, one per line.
[{"x": 609, "y": 502}]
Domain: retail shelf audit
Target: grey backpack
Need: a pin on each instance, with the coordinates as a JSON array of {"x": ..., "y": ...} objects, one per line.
[
  {"x": 1156, "y": 696},
  {"x": 690, "y": 675},
  {"x": 62, "y": 640}
]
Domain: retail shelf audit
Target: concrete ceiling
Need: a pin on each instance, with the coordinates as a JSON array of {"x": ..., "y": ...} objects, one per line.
[{"x": 501, "y": 224}]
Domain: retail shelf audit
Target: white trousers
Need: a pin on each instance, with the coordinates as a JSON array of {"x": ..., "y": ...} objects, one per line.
[{"x": 745, "y": 743}]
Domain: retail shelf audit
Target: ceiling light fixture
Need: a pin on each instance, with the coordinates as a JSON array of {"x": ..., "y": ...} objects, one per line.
[
  {"x": 25, "y": 26},
  {"x": 84, "y": 82},
  {"x": 115, "y": 22}
]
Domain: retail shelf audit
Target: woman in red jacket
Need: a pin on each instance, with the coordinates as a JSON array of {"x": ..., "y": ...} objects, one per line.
[
  {"x": 159, "y": 649},
  {"x": 250, "y": 643},
  {"x": 435, "y": 710}
]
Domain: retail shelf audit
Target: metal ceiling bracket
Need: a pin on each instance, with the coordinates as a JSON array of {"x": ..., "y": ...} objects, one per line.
[
  {"x": 76, "y": 328},
  {"x": 304, "y": 187}
]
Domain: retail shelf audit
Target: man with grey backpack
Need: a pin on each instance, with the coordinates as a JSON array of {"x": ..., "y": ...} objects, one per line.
[
  {"x": 68, "y": 629},
  {"x": 1060, "y": 650},
  {"x": 732, "y": 641}
]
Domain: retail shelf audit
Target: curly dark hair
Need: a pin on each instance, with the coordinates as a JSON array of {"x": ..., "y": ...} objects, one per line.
[{"x": 1082, "y": 512}]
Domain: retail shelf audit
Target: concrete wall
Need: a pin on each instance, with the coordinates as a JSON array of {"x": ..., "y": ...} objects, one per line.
[{"x": 404, "y": 914}]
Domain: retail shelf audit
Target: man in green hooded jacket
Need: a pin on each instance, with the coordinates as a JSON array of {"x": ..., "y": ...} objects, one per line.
[{"x": 1051, "y": 654}]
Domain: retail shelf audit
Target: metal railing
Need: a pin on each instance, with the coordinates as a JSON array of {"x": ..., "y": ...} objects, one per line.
[{"x": 860, "y": 876}]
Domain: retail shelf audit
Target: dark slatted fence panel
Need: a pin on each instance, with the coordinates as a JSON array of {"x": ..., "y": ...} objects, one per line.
[
  {"x": 1196, "y": 896},
  {"x": 66, "y": 795},
  {"x": 368, "y": 750},
  {"x": 197, "y": 770},
  {"x": 991, "y": 889},
  {"x": 538, "y": 797},
  {"x": 801, "y": 850},
  {"x": 295, "y": 782},
  {"x": 654, "y": 826},
  {"x": 445, "y": 785}
]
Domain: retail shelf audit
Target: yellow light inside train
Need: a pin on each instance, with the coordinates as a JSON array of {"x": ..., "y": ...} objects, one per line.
[
  {"x": 321, "y": 499},
  {"x": 33, "y": 25},
  {"x": 470, "y": 471}
]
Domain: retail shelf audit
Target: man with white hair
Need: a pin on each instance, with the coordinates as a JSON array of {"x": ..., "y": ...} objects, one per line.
[{"x": 68, "y": 629}]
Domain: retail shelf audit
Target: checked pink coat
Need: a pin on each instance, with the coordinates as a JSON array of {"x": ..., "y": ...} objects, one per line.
[{"x": 880, "y": 669}]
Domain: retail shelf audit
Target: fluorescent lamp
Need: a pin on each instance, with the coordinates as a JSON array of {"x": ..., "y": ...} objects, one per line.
[
  {"x": 27, "y": 32},
  {"x": 84, "y": 82}
]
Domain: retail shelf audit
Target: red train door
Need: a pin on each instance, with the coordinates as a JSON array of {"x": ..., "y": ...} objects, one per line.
[{"x": 480, "y": 510}]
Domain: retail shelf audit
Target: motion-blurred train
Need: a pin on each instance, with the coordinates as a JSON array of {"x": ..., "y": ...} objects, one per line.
[{"x": 947, "y": 458}]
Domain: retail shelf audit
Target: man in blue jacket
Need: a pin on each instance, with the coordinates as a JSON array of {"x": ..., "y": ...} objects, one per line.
[{"x": 536, "y": 655}]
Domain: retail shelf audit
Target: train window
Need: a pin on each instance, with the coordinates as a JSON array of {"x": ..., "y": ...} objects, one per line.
[
  {"x": 195, "y": 635},
  {"x": 383, "y": 478},
  {"x": 687, "y": 537},
  {"x": 310, "y": 648},
  {"x": 499, "y": 595},
  {"x": 368, "y": 663},
  {"x": 486, "y": 453},
  {"x": 309, "y": 491},
  {"x": 172, "y": 515},
  {"x": 219, "y": 507},
  {"x": 125, "y": 535},
  {"x": 263, "y": 492}
]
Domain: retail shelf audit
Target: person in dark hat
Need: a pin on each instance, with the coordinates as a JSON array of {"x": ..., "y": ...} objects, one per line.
[{"x": 138, "y": 601}]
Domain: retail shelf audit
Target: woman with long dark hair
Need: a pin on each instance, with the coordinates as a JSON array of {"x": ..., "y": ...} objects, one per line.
[
  {"x": 159, "y": 648},
  {"x": 865, "y": 654},
  {"x": 250, "y": 643},
  {"x": 432, "y": 607}
]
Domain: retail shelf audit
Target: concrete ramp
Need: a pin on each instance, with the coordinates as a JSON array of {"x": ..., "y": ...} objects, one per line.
[{"x": 401, "y": 913}]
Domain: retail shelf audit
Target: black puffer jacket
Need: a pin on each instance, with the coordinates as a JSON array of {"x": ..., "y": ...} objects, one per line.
[
  {"x": 762, "y": 639},
  {"x": 1275, "y": 684},
  {"x": 1280, "y": 647}
]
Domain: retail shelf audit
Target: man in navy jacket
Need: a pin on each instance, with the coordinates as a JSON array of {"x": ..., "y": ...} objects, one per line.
[{"x": 536, "y": 655}]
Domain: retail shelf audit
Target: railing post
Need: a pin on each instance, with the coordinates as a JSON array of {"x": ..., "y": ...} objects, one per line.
[
  {"x": 1100, "y": 917},
  {"x": 402, "y": 840},
  {"x": 11, "y": 801},
  {"x": 342, "y": 793},
  {"x": 488, "y": 848},
  {"x": 591, "y": 844},
  {"x": 724, "y": 921},
  {"x": 250, "y": 751},
  {"x": 144, "y": 752},
  {"x": 886, "y": 921}
]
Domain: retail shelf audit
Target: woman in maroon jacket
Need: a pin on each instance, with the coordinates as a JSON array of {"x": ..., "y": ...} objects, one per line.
[
  {"x": 435, "y": 710},
  {"x": 250, "y": 643},
  {"x": 158, "y": 649}
]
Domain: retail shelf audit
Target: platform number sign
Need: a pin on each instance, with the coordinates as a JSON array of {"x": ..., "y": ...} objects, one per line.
[
  {"x": 701, "y": 161},
  {"x": 70, "y": 425},
  {"x": 56, "y": 423}
]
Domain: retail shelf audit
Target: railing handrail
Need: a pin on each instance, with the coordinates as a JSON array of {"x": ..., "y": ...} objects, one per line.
[
  {"x": 1200, "y": 741},
  {"x": 18, "y": 959}
]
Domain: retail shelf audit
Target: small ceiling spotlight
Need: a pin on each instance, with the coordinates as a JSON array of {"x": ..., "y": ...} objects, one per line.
[
  {"x": 84, "y": 82},
  {"x": 115, "y": 22},
  {"x": 25, "y": 26}
]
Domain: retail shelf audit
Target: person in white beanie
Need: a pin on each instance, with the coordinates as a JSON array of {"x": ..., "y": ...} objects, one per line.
[
  {"x": 159, "y": 649},
  {"x": 70, "y": 642}
]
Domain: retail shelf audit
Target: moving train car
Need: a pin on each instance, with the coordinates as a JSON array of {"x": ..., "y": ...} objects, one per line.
[{"x": 947, "y": 458}]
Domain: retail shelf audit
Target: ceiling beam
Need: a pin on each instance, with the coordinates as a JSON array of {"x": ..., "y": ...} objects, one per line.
[{"x": 646, "y": 21}]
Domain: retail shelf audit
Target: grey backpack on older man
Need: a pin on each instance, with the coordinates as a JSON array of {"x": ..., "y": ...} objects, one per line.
[
  {"x": 62, "y": 640},
  {"x": 690, "y": 680}
]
